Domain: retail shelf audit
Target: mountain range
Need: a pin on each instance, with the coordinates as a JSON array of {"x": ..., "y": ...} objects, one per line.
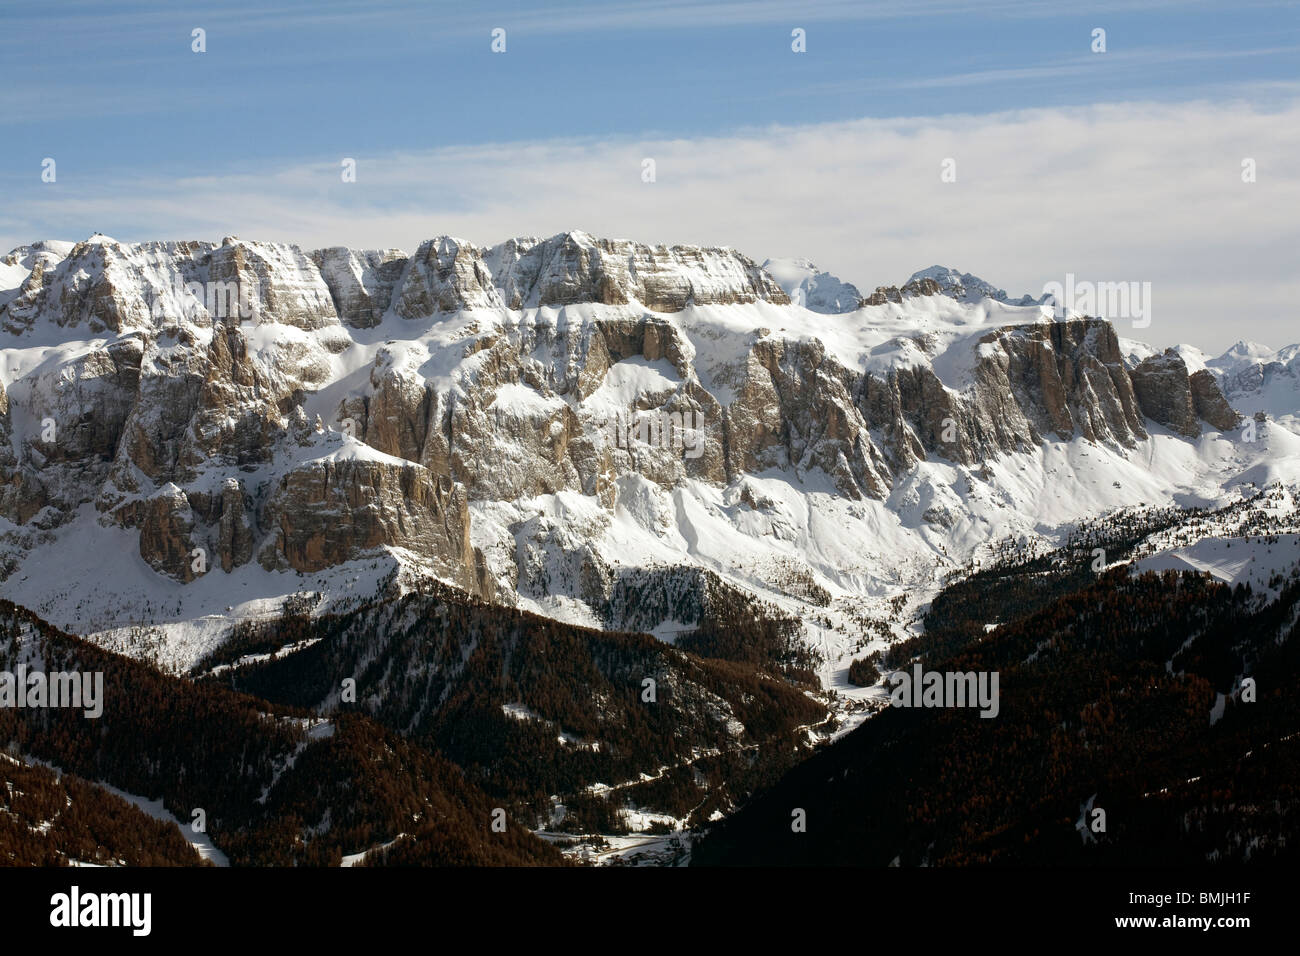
[
  {"x": 450, "y": 412},
  {"x": 207, "y": 447}
]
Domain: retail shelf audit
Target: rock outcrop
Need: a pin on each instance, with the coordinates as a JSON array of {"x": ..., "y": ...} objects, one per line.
[
  {"x": 166, "y": 523},
  {"x": 1179, "y": 401},
  {"x": 361, "y": 283},
  {"x": 575, "y": 267},
  {"x": 1210, "y": 404},
  {"x": 335, "y": 510},
  {"x": 235, "y": 538},
  {"x": 1165, "y": 394}
]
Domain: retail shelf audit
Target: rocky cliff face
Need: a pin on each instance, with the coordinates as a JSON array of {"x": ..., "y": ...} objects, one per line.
[
  {"x": 1209, "y": 401},
  {"x": 574, "y": 267},
  {"x": 327, "y": 511},
  {"x": 1180, "y": 401},
  {"x": 249, "y": 403},
  {"x": 1165, "y": 394},
  {"x": 361, "y": 283}
]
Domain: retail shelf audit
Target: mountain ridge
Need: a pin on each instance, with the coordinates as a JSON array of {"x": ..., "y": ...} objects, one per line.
[{"x": 535, "y": 421}]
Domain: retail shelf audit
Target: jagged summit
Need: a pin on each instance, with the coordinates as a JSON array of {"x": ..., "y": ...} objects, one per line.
[
  {"x": 1260, "y": 380},
  {"x": 447, "y": 273},
  {"x": 965, "y": 287},
  {"x": 444, "y": 274},
  {"x": 820, "y": 291},
  {"x": 1244, "y": 351},
  {"x": 809, "y": 287}
]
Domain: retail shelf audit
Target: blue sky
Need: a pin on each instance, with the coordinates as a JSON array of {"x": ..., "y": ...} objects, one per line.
[
  {"x": 137, "y": 122},
  {"x": 115, "y": 86}
]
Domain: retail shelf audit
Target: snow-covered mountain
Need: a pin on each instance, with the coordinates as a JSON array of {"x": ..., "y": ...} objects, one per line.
[
  {"x": 813, "y": 289},
  {"x": 965, "y": 287},
  {"x": 1258, "y": 379},
  {"x": 191, "y": 431}
]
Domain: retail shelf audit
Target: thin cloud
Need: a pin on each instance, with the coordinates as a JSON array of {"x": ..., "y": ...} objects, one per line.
[
  {"x": 1132, "y": 191},
  {"x": 1087, "y": 64}
]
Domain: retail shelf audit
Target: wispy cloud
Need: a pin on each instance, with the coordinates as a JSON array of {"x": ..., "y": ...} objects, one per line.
[
  {"x": 1130, "y": 61},
  {"x": 1130, "y": 191}
]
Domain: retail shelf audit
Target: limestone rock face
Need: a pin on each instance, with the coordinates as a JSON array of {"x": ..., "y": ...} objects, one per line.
[
  {"x": 517, "y": 427},
  {"x": 444, "y": 275},
  {"x": 361, "y": 283},
  {"x": 237, "y": 408},
  {"x": 23, "y": 495},
  {"x": 71, "y": 417},
  {"x": 156, "y": 433},
  {"x": 1179, "y": 401},
  {"x": 281, "y": 283},
  {"x": 166, "y": 523},
  {"x": 238, "y": 398},
  {"x": 1027, "y": 383},
  {"x": 235, "y": 536},
  {"x": 90, "y": 289},
  {"x": 1165, "y": 394},
  {"x": 575, "y": 267},
  {"x": 892, "y": 293},
  {"x": 965, "y": 287},
  {"x": 924, "y": 286},
  {"x": 176, "y": 407},
  {"x": 917, "y": 417},
  {"x": 82, "y": 406},
  {"x": 796, "y": 408},
  {"x": 1069, "y": 378},
  {"x": 397, "y": 414},
  {"x": 884, "y": 294},
  {"x": 331, "y": 511},
  {"x": 1210, "y": 404},
  {"x": 20, "y": 306},
  {"x": 1030, "y": 382}
]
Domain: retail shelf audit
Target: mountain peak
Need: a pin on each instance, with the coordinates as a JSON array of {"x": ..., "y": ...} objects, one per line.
[
  {"x": 963, "y": 286},
  {"x": 1243, "y": 353},
  {"x": 811, "y": 288},
  {"x": 1245, "y": 347}
]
